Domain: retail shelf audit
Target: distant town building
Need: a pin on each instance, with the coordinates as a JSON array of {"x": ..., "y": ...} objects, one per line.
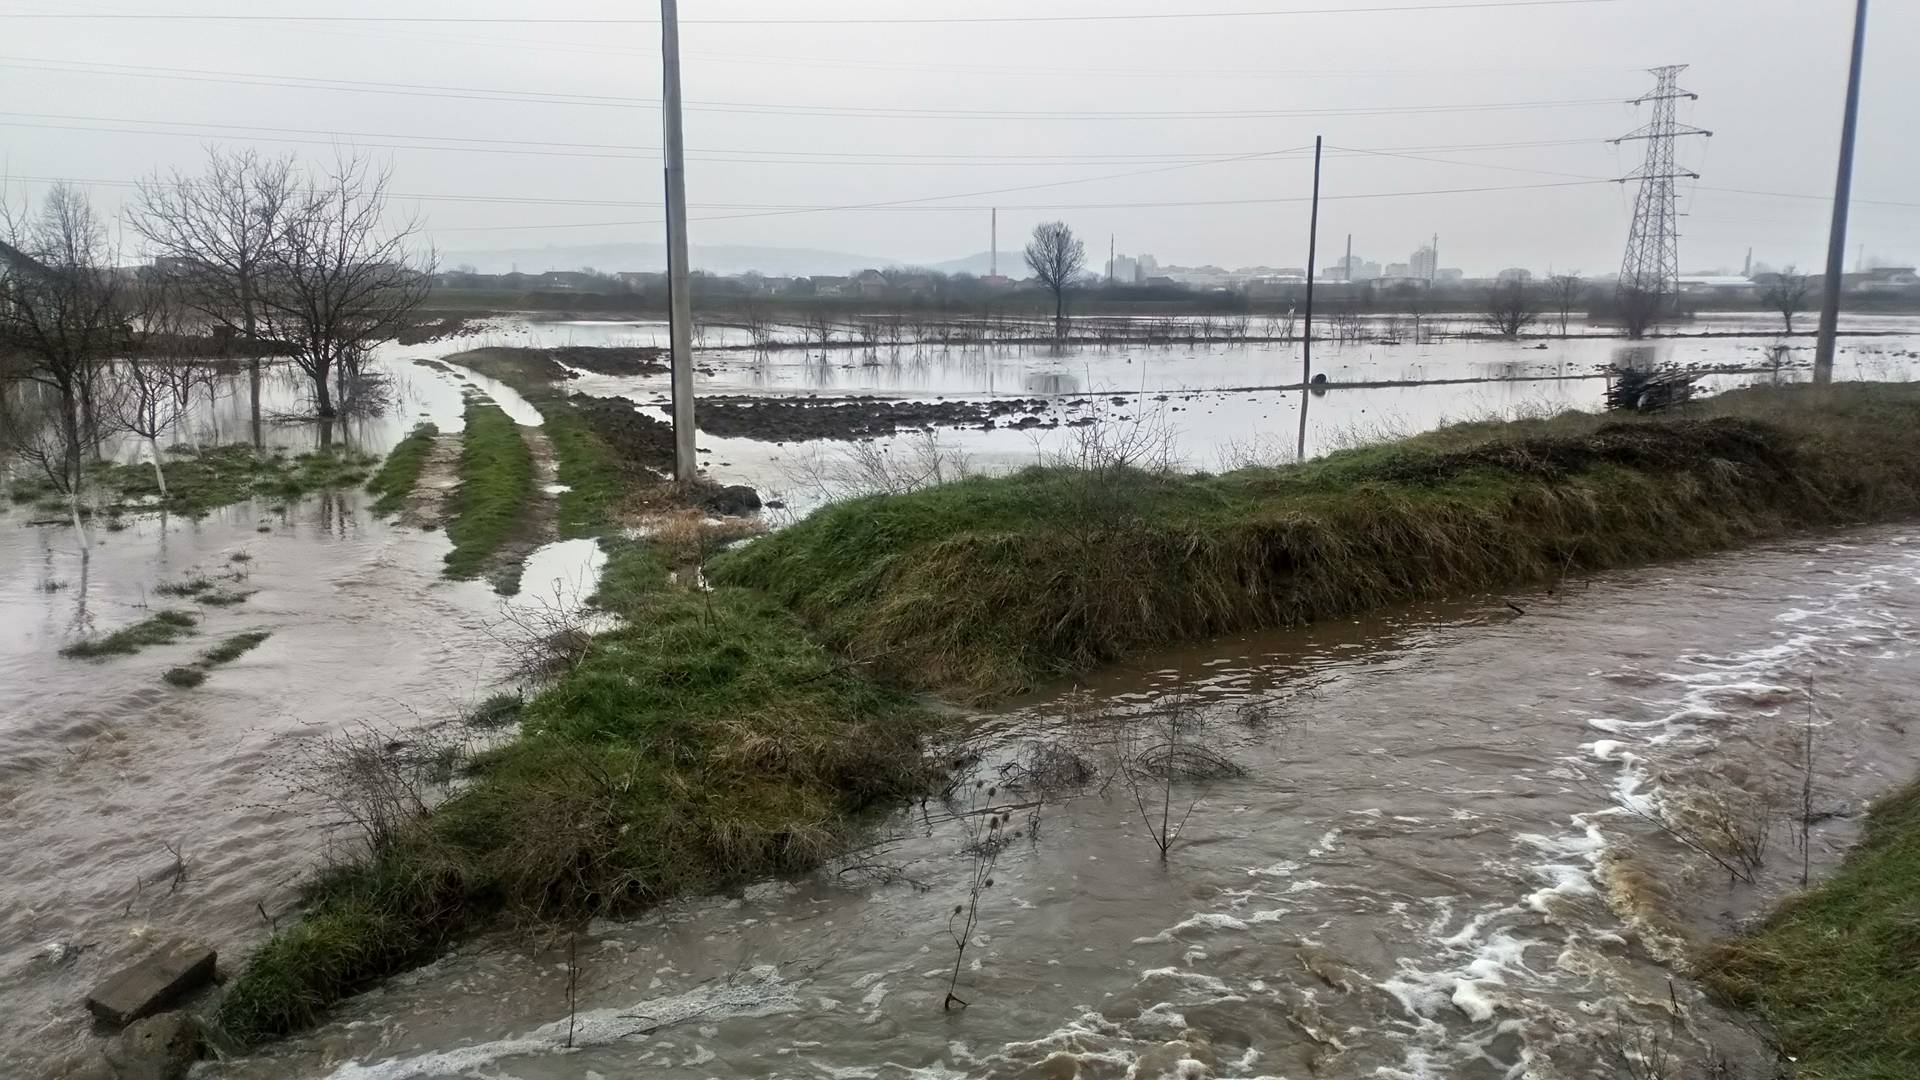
[
  {"x": 1514, "y": 275},
  {"x": 1360, "y": 270},
  {"x": 1424, "y": 261}
]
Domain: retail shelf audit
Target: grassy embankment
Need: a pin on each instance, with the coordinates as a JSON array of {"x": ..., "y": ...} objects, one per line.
[
  {"x": 1836, "y": 971},
  {"x": 496, "y": 485},
  {"x": 708, "y": 741},
  {"x": 200, "y": 481},
  {"x": 994, "y": 585},
  {"x": 401, "y": 471}
]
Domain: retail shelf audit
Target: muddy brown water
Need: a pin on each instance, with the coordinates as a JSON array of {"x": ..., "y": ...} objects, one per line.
[{"x": 1428, "y": 871}]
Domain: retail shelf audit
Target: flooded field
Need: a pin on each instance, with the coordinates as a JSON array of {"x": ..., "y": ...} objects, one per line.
[{"x": 1432, "y": 866}]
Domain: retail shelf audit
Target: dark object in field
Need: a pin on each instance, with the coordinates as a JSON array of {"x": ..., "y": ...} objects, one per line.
[
  {"x": 1638, "y": 390},
  {"x": 734, "y": 500},
  {"x": 158, "y": 979},
  {"x": 801, "y": 419}
]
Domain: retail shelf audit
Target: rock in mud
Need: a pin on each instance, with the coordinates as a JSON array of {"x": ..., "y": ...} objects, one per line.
[
  {"x": 734, "y": 500},
  {"x": 160, "y": 978},
  {"x": 160, "y": 1047}
]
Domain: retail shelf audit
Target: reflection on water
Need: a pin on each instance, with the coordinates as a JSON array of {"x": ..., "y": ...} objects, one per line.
[{"x": 1424, "y": 874}]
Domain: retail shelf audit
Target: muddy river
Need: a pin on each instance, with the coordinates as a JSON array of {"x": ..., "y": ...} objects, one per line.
[{"x": 1436, "y": 863}]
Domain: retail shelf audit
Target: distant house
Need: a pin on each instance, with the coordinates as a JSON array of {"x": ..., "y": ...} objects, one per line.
[
  {"x": 870, "y": 283},
  {"x": 917, "y": 285},
  {"x": 1887, "y": 279},
  {"x": 830, "y": 285},
  {"x": 1717, "y": 285},
  {"x": 641, "y": 280}
]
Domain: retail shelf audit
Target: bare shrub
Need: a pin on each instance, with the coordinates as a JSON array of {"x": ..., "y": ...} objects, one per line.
[
  {"x": 917, "y": 461},
  {"x": 374, "y": 781},
  {"x": 1165, "y": 747}
]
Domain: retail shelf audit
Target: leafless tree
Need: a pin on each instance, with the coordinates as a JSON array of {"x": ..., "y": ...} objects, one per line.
[
  {"x": 1786, "y": 294},
  {"x": 1639, "y": 309},
  {"x": 341, "y": 278},
  {"x": 1509, "y": 309},
  {"x": 213, "y": 237},
  {"x": 1563, "y": 292},
  {"x": 61, "y": 316},
  {"x": 158, "y": 375},
  {"x": 1056, "y": 258}
]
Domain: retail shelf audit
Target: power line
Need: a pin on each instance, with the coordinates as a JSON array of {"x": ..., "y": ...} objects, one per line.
[
  {"x": 768, "y": 108},
  {"x": 1037, "y": 206},
  {"x": 936, "y": 20}
]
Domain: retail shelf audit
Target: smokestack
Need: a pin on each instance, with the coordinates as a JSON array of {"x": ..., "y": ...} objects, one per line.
[{"x": 993, "y": 246}]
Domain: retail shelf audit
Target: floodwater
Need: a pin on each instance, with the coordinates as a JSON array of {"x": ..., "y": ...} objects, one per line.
[
  {"x": 1432, "y": 867},
  {"x": 106, "y": 771},
  {"x": 1418, "y": 831}
]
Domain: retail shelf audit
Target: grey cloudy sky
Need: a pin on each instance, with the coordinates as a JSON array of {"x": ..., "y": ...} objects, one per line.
[{"x": 797, "y": 114}]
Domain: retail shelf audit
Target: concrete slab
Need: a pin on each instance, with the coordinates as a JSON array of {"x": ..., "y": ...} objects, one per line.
[{"x": 162, "y": 977}]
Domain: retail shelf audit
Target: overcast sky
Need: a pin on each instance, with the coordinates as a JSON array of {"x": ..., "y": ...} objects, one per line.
[{"x": 828, "y": 114}]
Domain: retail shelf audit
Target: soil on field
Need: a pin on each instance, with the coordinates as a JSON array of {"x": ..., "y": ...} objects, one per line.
[
  {"x": 637, "y": 438},
  {"x": 801, "y": 419}
]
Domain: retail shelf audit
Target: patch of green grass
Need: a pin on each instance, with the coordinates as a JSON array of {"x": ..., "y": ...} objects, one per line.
[
  {"x": 198, "y": 481},
  {"x": 497, "y": 711},
  {"x": 233, "y": 648},
  {"x": 1834, "y": 971},
  {"x": 588, "y": 468},
  {"x": 994, "y": 585},
  {"x": 191, "y": 586},
  {"x": 227, "y": 651},
  {"x": 185, "y": 678},
  {"x": 397, "y": 477},
  {"x": 705, "y": 743},
  {"x": 496, "y": 486},
  {"x": 223, "y": 597},
  {"x": 161, "y": 628}
]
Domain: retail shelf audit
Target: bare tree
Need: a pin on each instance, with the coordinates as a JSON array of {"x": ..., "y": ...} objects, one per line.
[
  {"x": 213, "y": 237},
  {"x": 1056, "y": 258},
  {"x": 1786, "y": 294},
  {"x": 1639, "y": 309},
  {"x": 158, "y": 376},
  {"x": 1563, "y": 293},
  {"x": 1509, "y": 309},
  {"x": 60, "y": 314},
  {"x": 341, "y": 278}
]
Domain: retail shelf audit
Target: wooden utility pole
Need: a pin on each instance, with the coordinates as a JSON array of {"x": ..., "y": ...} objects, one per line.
[
  {"x": 1306, "y": 343},
  {"x": 679, "y": 299},
  {"x": 1842, "y": 188}
]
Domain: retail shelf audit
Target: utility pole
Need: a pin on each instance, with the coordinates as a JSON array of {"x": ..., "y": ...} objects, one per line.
[
  {"x": 1842, "y": 191},
  {"x": 1433, "y": 268},
  {"x": 1109, "y": 258},
  {"x": 1348, "y": 276},
  {"x": 1306, "y": 343},
  {"x": 679, "y": 299}
]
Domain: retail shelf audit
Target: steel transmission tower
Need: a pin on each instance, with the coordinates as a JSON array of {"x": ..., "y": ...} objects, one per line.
[{"x": 1651, "y": 267}]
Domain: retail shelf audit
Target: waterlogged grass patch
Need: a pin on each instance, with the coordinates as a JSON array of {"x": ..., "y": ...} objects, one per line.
[
  {"x": 192, "y": 586},
  {"x": 198, "y": 481},
  {"x": 397, "y": 477},
  {"x": 185, "y": 678},
  {"x": 496, "y": 485},
  {"x": 1833, "y": 971},
  {"x": 993, "y": 585},
  {"x": 227, "y": 651},
  {"x": 160, "y": 628}
]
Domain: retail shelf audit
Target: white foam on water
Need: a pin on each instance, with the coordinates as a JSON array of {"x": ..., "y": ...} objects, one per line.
[
  {"x": 760, "y": 993},
  {"x": 1203, "y": 921}
]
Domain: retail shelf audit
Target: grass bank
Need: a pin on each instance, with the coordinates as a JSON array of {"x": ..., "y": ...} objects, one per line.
[
  {"x": 401, "y": 471},
  {"x": 994, "y": 585},
  {"x": 160, "y": 628},
  {"x": 707, "y": 742},
  {"x": 1836, "y": 972},
  {"x": 226, "y": 652},
  {"x": 496, "y": 485}
]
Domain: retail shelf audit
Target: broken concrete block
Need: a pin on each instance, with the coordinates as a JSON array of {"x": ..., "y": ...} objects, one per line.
[
  {"x": 162, "y": 1047},
  {"x": 160, "y": 978}
]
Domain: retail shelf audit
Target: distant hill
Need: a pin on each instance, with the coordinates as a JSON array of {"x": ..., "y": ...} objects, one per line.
[
  {"x": 1011, "y": 264},
  {"x": 714, "y": 258}
]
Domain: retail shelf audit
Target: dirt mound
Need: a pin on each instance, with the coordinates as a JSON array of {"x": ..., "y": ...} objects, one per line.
[
  {"x": 801, "y": 419},
  {"x": 637, "y": 438},
  {"x": 610, "y": 359}
]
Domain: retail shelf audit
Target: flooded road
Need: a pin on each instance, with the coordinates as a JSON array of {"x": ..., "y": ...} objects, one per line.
[
  {"x": 1438, "y": 862},
  {"x": 129, "y": 807}
]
